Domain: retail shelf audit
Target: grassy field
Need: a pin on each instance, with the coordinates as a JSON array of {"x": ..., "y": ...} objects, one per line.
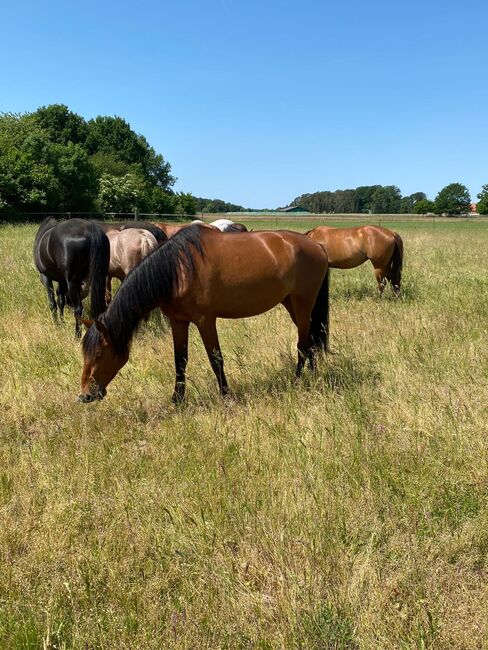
[{"x": 349, "y": 511}]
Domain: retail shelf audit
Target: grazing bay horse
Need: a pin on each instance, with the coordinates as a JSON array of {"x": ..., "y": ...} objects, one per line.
[
  {"x": 72, "y": 253},
  {"x": 127, "y": 249},
  {"x": 350, "y": 247},
  {"x": 200, "y": 275}
]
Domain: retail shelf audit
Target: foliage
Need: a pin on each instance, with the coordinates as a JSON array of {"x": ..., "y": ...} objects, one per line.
[
  {"x": 54, "y": 160},
  {"x": 214, "y": 206},
  {"x": 121, "y": 193},
  {"x": 453, "y": 199},
  {"x": 377, "y": 199},
  {"x": 386, "y": 200},
  {"x": 482, "y": 207},
  {"x": 408, "y": 203},
  {"x": 186, "y": 204},
  {"x": 424, "y": 206}
]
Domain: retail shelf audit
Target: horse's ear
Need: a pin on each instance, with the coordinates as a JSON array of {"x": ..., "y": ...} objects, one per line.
[
  {"x": 102, "y": 329},
  {"x": 86, "y": 322}
]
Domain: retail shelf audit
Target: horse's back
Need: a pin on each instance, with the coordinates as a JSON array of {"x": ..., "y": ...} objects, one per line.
[{"x": 245, "y": 274}]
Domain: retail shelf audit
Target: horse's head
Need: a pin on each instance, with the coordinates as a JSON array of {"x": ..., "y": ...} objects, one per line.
[{"x": 101, "y": 362}]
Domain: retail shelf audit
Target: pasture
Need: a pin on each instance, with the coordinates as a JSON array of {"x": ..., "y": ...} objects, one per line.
[{"x": 347, "y": 511}]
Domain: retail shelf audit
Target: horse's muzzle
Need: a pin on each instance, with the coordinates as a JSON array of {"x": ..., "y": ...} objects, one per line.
[{"x": 98, "y": 394}]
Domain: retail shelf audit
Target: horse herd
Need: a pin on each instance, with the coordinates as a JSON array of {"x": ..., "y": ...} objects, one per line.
[{"x": 196, "y": 273}]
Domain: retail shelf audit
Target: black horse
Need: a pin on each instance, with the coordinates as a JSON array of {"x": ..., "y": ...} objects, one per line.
[{"x": 72, "y": 253}]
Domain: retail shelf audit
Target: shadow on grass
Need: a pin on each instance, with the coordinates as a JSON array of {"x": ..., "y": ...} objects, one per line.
[{"x": 335, "y": 373}]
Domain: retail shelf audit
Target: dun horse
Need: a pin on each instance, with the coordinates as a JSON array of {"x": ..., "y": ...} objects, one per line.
[
  {"x": 127, "y": 249},
  {"x": 350, "y": 247},
  {"x": 200, "y": 275},
  {"x": 72, "y": 253}
]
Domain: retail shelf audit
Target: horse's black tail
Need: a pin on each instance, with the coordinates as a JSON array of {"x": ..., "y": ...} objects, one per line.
[
  {"x": 99, "y": 262},
  {"x": 319, "y": 322},
  {"x": 396, "y": 264}
]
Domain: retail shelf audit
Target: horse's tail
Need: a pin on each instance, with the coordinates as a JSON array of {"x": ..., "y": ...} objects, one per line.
[
  {"x": 148, "y": 245},
  {"x": 396, "y": 263},
  {"x": 319, "y": 321},
  {"x": 99, "y": 263}
]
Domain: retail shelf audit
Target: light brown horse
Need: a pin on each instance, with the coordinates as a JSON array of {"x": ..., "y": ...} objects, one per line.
[
  {"x": 350, "y": 247},
  {"x": 127, "y": 249},
  {"x": 200, "y": 275}
]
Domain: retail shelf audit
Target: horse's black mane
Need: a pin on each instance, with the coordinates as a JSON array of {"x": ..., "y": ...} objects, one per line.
[{"x": 149, "y": 284}]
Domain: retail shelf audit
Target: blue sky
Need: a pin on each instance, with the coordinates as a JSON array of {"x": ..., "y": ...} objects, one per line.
[{"x": 258, "y": 102}]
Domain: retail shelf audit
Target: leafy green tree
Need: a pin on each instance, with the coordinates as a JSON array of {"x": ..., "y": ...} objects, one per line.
[
  {"x": 160, "y": 201},
  {"x": 113, "y": 141},
  {"x": 407, "y": 203},
  {"x": 186, "y": 204},
  {"x": 482, "y": 207},
  {"x": 386, "y": 200},
  {"x": 364, "y": 197},
  {"x": 424, "y": 206},
  {"x": 121, "y": 193},
  {"x": 61, "y": 125},
  {"x": 453, "y": 199},
  {"x": 37, "y": 174}
]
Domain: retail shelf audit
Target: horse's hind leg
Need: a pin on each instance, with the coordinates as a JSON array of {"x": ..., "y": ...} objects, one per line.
[
  {"x": 74, "y": 294},
  {"x": 208, "y": 332},
  {"x": 381, "y": 278},
  {"x": 179, "y": 330},
  {"x": 302, "y": 312},
  {"x": 61, "y": 293},
  {"x": 48, "y": 285}
]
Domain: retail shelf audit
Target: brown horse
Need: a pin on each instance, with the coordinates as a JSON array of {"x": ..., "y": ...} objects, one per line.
[
  {"x": 127, "y": 249},
  {"x": 350, "y": 247},
  {"x": 200, "y": 275}
]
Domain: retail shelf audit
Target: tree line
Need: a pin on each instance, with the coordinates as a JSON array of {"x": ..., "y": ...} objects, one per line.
[
  {"x": 55, "y": 160},
  {"x": 454, "y": 199}
]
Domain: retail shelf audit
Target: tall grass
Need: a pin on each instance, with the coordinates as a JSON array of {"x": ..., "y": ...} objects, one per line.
[{"x": 347, "y": 511}]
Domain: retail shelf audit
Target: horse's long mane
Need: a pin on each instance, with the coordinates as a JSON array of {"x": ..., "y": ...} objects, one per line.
[{"x": 148, "y": 285}]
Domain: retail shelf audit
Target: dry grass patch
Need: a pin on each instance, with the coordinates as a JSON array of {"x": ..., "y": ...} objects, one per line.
[{"x": 347, "y": 511}]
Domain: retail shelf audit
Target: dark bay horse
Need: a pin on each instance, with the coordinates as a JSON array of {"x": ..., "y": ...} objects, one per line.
[
  {"x": 157, "y": 232},
  {"x": 350, "y": 247},
  {"x": 72, "y": 253},
  {"x": 200, "y": 275}
]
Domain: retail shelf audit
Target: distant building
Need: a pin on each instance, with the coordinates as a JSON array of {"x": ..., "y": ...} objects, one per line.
[{"x": 294, "y": 209}]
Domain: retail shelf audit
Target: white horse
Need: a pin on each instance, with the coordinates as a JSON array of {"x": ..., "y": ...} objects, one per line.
[{"x": 226, "y": 225}]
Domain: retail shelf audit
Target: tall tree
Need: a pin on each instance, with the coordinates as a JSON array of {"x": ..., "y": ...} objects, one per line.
[
  {"x": 61, "y": 125},
  {"x": 386, "y": 200},
  {"x": 482, "y": 207},
  {"x": 453, "y": 199}
]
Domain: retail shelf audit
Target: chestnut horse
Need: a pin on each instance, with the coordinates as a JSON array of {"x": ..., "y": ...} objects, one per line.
[
  {"x": 350, "y": 247},
  {"x": 200, "y": 275},
  {"x": 127, "y": 249}
]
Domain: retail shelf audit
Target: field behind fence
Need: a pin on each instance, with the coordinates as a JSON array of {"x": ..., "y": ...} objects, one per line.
[{"x": 347, "y": 511}]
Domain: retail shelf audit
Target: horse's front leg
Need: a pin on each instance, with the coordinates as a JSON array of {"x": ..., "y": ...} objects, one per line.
[
  {"x": 179, "y": 330},
  {"x": 208, "y": 331}
]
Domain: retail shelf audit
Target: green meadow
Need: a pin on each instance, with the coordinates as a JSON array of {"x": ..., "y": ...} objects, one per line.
[{"x": 346, "y": 511}]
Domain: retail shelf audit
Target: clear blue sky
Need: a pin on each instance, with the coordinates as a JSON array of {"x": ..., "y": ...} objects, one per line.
[{"x": 257, "y": 102}]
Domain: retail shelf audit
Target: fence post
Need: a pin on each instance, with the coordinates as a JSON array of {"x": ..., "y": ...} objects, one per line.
[{"x": 136, "y": 214}]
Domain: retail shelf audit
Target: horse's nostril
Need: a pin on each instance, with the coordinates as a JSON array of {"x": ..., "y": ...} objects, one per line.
[{"x": 85, "y": 398}]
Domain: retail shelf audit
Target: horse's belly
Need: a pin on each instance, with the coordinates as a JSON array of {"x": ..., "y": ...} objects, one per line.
[{"x": 346, "y": 260}]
